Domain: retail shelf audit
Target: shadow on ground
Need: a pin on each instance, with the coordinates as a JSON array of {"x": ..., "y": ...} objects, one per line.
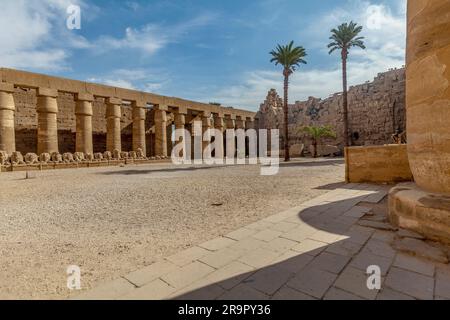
[
  {"x": 323, "y": 264},
  {"x": 147, "y": 171},
  {"x": 204, "y": 167},
  {"x": 318, "y": 163}
]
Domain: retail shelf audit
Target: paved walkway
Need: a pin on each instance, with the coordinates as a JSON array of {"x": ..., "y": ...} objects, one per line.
[{"x": 320, "y": 250}]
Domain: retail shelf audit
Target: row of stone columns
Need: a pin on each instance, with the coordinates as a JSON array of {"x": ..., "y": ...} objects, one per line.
[
  {"x": 47, "y": 129},
  {"x": 163, "y": 129}
]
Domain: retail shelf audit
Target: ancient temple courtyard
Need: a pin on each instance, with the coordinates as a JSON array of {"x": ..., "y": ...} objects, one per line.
[
  {"x": 161, "y": 231},
  {"x": 114, "y": 220}
]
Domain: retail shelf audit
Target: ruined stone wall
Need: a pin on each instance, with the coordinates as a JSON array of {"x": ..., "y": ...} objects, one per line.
[
  {"x": 376, "y": 111},
  {"x": 26, "y": 122}
]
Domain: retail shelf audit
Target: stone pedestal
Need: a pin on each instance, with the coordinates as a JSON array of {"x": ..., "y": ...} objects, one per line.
[
  {"x": 113, "y": 114},
  {"x": 47, "y": 109},
  {"x": 160, "y": 132},
  {"x": 7, "y": 109},
  {"x": 413, "y": 208},
  {"x": 139, "y": 126},
  {"x": 83, "y": 113}
]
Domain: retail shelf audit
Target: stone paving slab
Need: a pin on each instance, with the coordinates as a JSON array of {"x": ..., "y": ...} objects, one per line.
[{"x": 313, "y": 251}]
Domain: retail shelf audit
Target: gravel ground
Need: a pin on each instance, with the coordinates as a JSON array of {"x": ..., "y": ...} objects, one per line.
[{"x": 110, "y": 221}]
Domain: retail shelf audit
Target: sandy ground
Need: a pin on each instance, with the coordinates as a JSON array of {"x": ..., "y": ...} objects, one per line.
[{"x": 110, "y": 221}]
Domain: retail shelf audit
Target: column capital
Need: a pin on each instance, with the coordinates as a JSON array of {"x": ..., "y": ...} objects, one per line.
[
  {"x": 138, "y": 104},
  {"x": 83, "y": 107},
  {"x": 113, "y": 100},
  {"x": 180, "y": 119},
  {"x": 6, "y": 87},
  {"x": 138, "y": 113},
  {"x": 206, "y": 114},
  {"x": 219, "y": 115},
  {"x": 84, "y": 96},
  {"x": 161, "y": 107},
  {"x": 182, "y": 110},
  {"x": 207, "y": 122},
  {"x": 113, "y": 110},
  {"x": 231, "y": 116},
  {"x": 160, "y": 115},
  {"x": 47, "y": 92}
]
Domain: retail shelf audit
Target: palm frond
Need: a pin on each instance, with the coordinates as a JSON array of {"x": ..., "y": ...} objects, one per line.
[
  {"x": 346, "y": 36},
  {"x": 289, "y": 56}
]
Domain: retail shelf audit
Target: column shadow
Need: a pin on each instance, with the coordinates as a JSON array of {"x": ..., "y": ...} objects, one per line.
[{"x": 321, "y": 221}]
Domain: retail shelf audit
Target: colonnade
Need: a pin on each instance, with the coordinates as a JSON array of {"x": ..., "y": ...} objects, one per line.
[{"x": 164, "y": 117}]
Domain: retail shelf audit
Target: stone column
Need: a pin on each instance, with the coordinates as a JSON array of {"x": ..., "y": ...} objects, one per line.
[
  {"x": 7, "y": 109},
  {"x": 139, "y": 126},
  {"x": 83, "y": 113},
  {"x": 113, "y": 115},
  {"x": 230, "y": 123},
  {"x": 240, "y": 123},
  {"x": 423, "y": 206},
  {"x": 428, "y": 93},
  {"x": 219, "y": 123},
  {"x": 47, "y": 109},
  {"x": 161, "y": 130},
  {"x": 250, "y": 123},
  {"x": 206, "y": 124},
  {"x": 169, "y": 138},
  {"x": 180, "y": 122}
]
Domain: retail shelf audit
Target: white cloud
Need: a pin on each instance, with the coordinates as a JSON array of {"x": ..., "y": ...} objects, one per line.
[
  {"x": 384, "y": 29},
  {"x": 138, "y": 79},
  {"x": 152, "y": 37},
  {"x": 34, "y": 34}
]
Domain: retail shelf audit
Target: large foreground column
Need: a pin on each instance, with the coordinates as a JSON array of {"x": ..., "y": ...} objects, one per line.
[
  {"x": 161, "y": 131},
  {"x": 139, "y": 126},
  {"x": 428, "y": 93},
  {"x": 7, "y": 109},
  {"x": 47, "y": 109},
  {"x": 83, "y": 113},
  {"x": 113, "y": 113},
  {"x": 424, "y": 206}
]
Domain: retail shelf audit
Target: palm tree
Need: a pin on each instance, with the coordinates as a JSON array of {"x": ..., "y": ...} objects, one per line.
[
  {"x": 343, "y": 38},
  {"x": 316, "y": 133},
  {"x": 289, "y": 57}
]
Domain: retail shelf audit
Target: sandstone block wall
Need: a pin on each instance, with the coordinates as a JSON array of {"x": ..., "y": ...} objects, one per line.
[
  {"x": 377, "y": 164},
  {"x": 376, "y": 111}
]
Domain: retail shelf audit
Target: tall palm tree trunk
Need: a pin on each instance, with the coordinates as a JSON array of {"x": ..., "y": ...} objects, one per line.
[
  {"x": 286, "y": 123},
  {"x": 345, "y": 97}
]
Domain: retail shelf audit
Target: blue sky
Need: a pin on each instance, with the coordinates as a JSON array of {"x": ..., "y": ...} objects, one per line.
[{"x": 205, "y": 50}]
